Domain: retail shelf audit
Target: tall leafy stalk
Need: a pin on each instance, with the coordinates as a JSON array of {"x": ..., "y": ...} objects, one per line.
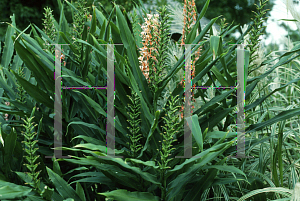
[
  {"x": 79, "y": 18},
  {"x": 254, "y": 44},
  {"x": 161, "y": 53},
  {"x": 171, "y": 128},
  {"x": 189, "y": 13},
  {"x": 134, "y": 123},
  {"x": 30, "y": 150},
  {"x": 49, "y": 27},
  {"x": 256, "y": 32}
]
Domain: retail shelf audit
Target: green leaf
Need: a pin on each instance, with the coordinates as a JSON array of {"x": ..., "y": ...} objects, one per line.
[
  {"x": 92, "y": 146},
  {"x": 87, "y": 58},
  {"x": 10, "y": 79},
  {"x": 63, "y": 24},
  {"x": 9, "y": 147},
  {"x": 148, "y": 163},
  {"x": 216, "y": 118},
  {"x": 196, "y": 130},
  {"x": 71, "y": 45},
  {"x": 280, "y": 117},
  {"x": 94, "y": 22},
  {"x": 214, "y": 45},
  {"x": 220, "y": 77},
  {"x": 85, "y": 131},
  {"x": 30, "y": 62},
  {"x": 120, "y": 162},
  {"x": 220, "y": 134},
  {"x": 8, "y": 90},
  {"x": 56, "y": 167},
  {"x": 203, "y": 11},
  {"x": 92, "y": 103},
  {"x": 292, "y": 20},
  {"x": 28, "y": 179},
  {"x": 283, "y": 59},
  {"x": 12, "y": 191},
  {"x": 125, "y": 177},
  {"x": 213, "y": 101},
  {"x": 284, "y": 191},
  {"x": 90, "y": 139},
  {"x": 107, "y": 29},
  {"x": 34, "y": 91},
  {"x": 153, "y": 127},
  {"x": 225, "y": 168},
  {"x": 128, "y": 40},
  {"x": 44, "y": 35},
  {"x": 93, "y": 177},
  {"x": 80, "y": 191},
  {"x": 64, "y": 189},
  {"x": 8, "y": 48},
  {"x": 177, "y": 185},
  {"x": 198, "y": 186},
  {"x": 101, "y": 18},
  {"x": 203, "y": 154},
  {"x": 124, "y": 195}
]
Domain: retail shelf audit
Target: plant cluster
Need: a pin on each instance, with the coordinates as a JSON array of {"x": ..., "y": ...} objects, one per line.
[{"x": 148, "y": 127}]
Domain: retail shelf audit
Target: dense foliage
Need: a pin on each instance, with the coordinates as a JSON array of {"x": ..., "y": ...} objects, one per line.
[{"x": 149, "y": 90}]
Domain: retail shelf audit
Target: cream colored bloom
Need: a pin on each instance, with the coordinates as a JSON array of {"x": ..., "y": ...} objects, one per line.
[
  {"x": 247, "y": 36},
  {"x": 149, "y": 16},
  {"x": 290, "y": 6},
  {"x": 296, "y": 193}
]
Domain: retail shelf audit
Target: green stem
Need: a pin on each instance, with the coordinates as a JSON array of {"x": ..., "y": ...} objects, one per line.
[{"x": 163, "y": 181}]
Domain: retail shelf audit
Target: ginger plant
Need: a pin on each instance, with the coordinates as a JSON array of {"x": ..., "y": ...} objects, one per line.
[
  {"x": 30, "y": 150},
  {"x": 154, "y": 35},
  {"x": 49, "y": 27},
  {"x": 171, "y": 128},
  {"x": 80, "y": 17},
  {"x": 134, "y": 122},
  {"x": 256, "y": 52},
  {"x": 189, "y": 13}
]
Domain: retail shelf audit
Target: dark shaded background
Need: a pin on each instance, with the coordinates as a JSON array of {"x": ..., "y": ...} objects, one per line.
[{"x": 31, "y": 11}]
